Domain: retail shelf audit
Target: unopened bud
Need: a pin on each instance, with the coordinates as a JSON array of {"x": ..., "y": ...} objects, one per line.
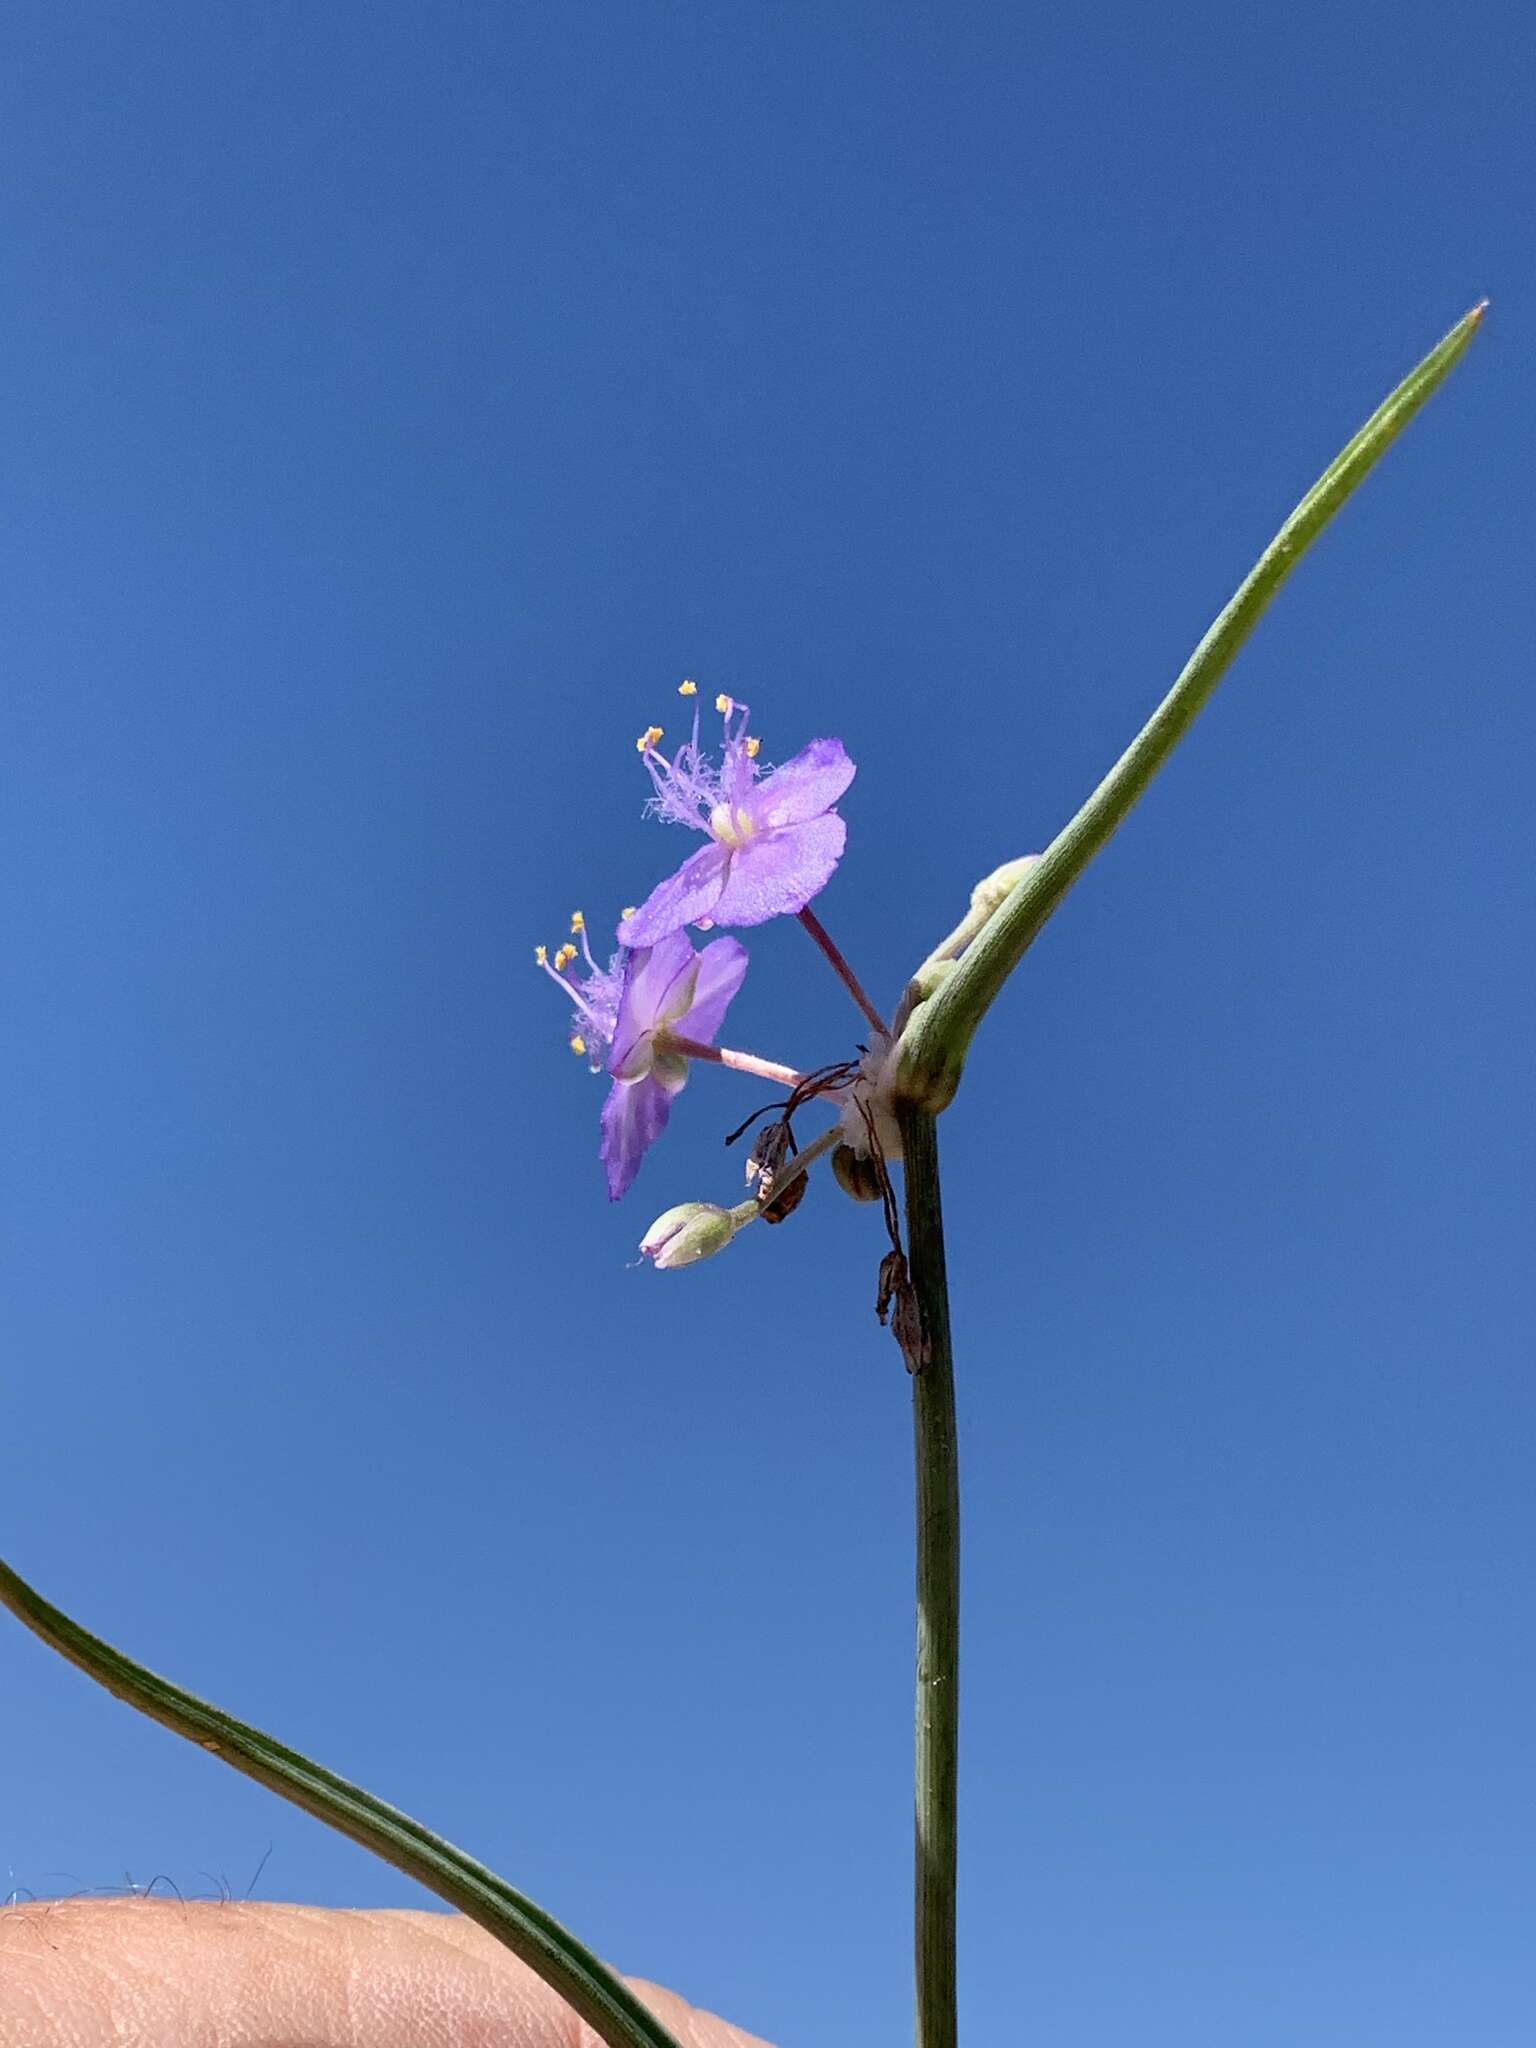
[
  {"x": 856, "y": 1173},
  {"x": 927, "y": 981},
  {"x": 688, "y": 1233},
  {"x": 990, "y": 894}
]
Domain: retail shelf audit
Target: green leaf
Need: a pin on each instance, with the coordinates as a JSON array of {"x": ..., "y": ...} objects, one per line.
[
  {"x": 939, "y": 1031},
  {"x": 607, "y": 2004}
]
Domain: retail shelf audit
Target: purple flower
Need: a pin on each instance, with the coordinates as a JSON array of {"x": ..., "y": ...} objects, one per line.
[
  {"x": 772, "y": 843},
  {"x": 626, "y": 1015}
]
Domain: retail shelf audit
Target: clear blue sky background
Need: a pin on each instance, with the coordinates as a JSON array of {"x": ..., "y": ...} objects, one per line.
[{"x": 397, "y": 401}]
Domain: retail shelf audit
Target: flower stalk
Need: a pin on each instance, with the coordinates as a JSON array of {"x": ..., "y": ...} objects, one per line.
[
  {"x": 725, "y": 1056},
  {"x": 841, "y": 969}
]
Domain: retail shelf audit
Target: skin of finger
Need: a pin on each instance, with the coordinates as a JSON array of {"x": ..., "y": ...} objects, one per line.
[{"x": 111, "y": 1973}]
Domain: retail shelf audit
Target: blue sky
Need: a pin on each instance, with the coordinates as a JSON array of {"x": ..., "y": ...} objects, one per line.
[{"x": 397, "y": 403}]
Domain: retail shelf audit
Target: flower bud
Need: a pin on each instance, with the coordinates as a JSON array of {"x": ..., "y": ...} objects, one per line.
[
  {"x": 855, "y": 1173},
  {"x": 688, "y": 1233},
  {"x": 991, "y": 893}
]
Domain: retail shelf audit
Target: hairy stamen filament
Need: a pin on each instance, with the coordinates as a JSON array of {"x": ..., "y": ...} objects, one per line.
[{"x": 571, "y": 991}]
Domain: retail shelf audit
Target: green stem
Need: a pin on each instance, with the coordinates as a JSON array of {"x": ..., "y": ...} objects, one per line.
[
  {"x": 939, "y": 1030},
  {"x": 603, "y": 2000},
  {"x": 938, "y": 1593}
]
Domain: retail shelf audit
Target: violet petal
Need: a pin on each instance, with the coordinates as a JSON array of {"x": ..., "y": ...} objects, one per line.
[
  {"x": 806, "y": 785},
  {"x": 655, "y": 981},
  {"x": 722, "y": 964},
  {"x": 681, "y": 899},
  {"x": 634, "y": 1117},
  {"x": 779, "y": 872}
]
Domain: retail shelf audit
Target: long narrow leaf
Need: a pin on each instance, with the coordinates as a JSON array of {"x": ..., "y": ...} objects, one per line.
[
  {"x": 939, "y": 1032},
  {"x": 608, "y": 2006}
]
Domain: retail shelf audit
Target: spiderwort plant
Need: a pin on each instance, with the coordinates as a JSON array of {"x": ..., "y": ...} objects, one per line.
[
  {"x": 774, "y": 842},
  {"x": 774, "y": 839}
]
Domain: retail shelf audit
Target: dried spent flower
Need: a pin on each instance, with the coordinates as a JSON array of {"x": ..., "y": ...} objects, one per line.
[
  {"x": 774, "y": 1143},
  {"x": 896, "y": 1297},
  {"x": 784, "y": 1204}
]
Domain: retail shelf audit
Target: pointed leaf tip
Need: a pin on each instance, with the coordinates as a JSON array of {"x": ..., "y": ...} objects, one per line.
[{"x": 938, "y": 1031}]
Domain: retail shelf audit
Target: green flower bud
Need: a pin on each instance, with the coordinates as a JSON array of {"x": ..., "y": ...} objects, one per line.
[
  {"x": 688, "y": 1233},
  {"x": 991, "y": 893}
]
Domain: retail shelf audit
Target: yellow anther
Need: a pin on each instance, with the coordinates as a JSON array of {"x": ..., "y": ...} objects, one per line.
[
  {"x": 628, "y": 910},
  {"x": 564, "y": 958},
  {"x": 724, "y": 705},
  {"x": 578, "y": 922},
  {"x": 752, "y": 746},
  {"x": 541, "y": 955},
  {"x": 578, "y": 1045},
  {"x": 648, "y": 738},
  {"x": 687, "y": 689}
]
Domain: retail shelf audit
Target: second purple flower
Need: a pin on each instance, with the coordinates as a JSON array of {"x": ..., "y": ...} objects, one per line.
[{"x": 636, "y": 1018}]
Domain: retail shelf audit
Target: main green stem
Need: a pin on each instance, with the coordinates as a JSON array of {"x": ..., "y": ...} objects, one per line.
[{"x": 938, "y": 1592}]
